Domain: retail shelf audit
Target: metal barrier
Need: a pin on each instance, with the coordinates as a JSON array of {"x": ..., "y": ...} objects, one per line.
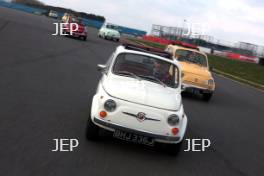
[
  {"x": 22, "y": 7},
  {"x": 25, "y": 8},
  {"x": 87, "y": 22}
]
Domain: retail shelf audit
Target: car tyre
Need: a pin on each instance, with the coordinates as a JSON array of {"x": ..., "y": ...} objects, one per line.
[
  {"x": 207, "y": 96},
  {"x": 92, "y": 131},
  {"x": 84, "y": 38},
  {"x": 174, "y": 149}
]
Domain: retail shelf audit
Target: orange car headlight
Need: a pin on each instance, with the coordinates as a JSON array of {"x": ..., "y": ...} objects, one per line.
[{"x": 210, "y": 82}]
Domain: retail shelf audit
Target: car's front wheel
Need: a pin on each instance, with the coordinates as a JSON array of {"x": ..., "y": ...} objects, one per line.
[
  {"x": 207, "y": 96},
  {"x": 174, "y": 149},
  {"x": 84, "y": 38},
  {"x": 92, "y": 131}
]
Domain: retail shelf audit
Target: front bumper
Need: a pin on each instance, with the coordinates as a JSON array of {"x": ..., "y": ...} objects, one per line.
[
  {"x": 194, "y": 88},
  {"x": 112, "y": 37},
  {"x": 156, "y": 126},
  {"x": 156, "y": 137},
  {"x": 76, "y": 34}
]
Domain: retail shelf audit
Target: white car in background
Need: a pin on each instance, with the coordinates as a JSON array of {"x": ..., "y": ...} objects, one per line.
[
  {"x": 108, "y": 33},
  {"x": 139, "y": 99},
  {"x": 53, "y": 14}
]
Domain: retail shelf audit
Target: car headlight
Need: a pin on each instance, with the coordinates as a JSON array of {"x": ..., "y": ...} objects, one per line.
[
  {"x": 210, "y": 82},
  {"x": 110, "y": 105},
  {"x": 173, "y": 120}
]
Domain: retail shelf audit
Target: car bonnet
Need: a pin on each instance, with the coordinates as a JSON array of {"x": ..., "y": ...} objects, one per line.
[{"x": 142, "y": 92}]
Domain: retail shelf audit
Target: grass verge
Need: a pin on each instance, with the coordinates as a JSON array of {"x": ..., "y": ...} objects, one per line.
[{"x": 250, "y": 73}]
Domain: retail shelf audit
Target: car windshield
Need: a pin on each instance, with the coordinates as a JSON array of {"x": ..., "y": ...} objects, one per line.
[
  {"x": 109, "y": 26},
  {"x": 191, "y": 56},
  {"x": 147, "y": 68}
]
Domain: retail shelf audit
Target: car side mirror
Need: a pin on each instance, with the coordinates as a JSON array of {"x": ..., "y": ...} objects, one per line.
[{"x": 101, "y": 67}]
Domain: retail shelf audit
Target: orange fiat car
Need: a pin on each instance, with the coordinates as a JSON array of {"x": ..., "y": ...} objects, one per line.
[{"x": 196, "y": 75}]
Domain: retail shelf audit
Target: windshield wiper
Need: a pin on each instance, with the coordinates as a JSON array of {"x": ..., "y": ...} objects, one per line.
[
  {"x": 153, "y": 78},
  {"x": 129, "y": 73}
]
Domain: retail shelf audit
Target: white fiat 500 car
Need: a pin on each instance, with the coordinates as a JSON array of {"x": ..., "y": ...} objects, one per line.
[{"x": 139, "y": 99}]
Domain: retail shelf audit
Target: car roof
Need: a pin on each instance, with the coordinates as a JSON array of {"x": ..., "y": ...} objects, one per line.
[
  {"x": 184, "y": 48},
  {"x": 122, "y": 49},
  {"x": 110, "y": 29}
]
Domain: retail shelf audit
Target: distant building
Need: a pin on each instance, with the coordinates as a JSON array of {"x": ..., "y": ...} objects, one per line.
[{"x": 249, "y": 47}]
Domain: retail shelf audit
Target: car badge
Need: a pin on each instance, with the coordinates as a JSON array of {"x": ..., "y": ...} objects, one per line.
[{"x": 141, "y": 116}]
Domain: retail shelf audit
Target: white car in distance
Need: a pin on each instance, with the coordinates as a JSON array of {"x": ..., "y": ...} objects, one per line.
[
  {"x": 53, "y": 14},
  {"x": 108, "y": 33},
  {"x": 139, "y": 99}
]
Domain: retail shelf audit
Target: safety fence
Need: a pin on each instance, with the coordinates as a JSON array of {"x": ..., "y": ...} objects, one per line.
[
  {"x": 86, "y": 21},
  {"x": 228, "y": 54},
  {"x": 167, "y": 41},
  {"x": 21, "y": 7}
]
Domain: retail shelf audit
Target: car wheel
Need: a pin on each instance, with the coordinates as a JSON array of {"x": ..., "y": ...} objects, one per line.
[
  {"x": 174, "y": 149},
  {"x": 83, "y": 38},
  {"x": 66, "y": 34},
  {"x": 207, "y": 96},
  {"x": 92, "y": 131}
]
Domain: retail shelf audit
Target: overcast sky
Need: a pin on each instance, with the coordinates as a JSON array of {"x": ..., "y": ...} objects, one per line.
[{"x": 229, "y": 20}]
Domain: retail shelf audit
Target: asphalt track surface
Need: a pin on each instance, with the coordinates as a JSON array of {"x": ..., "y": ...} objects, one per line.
[{"x": 46, "y": 84}]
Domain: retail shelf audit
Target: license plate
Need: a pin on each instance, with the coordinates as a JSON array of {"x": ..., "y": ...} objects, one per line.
[
  {"x": 131, "y": 137},
  {"x": 195, "y": 91}
]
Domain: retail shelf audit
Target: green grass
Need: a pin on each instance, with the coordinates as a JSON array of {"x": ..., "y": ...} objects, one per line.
[
  {"x": 148, "y": 43},
  {"x": 234, "y": 69},
  {"x": 248, "y": 71}
]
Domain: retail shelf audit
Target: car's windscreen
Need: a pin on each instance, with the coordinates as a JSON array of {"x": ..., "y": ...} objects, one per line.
[
  {"x": 147, "y": 68},
  {"x": 191, "y": 56},
  {"x": 109, "y": 26}
]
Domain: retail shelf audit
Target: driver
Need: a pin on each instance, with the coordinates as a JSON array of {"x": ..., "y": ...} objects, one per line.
[
  {"x": 161, "y": 72},
  {"x": 158, "y": 72},
  {"x": 192, "y": 56}
]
